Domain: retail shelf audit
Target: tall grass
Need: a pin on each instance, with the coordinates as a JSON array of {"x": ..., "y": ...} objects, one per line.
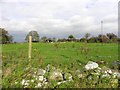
[{"x": 66, "y": 56}]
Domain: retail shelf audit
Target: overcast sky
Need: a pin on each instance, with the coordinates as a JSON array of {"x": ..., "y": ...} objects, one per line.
[{"x": 58, "y": 18}]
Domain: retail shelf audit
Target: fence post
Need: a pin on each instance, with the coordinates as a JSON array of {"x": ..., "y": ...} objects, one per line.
[{"x": 29, "y": 49}]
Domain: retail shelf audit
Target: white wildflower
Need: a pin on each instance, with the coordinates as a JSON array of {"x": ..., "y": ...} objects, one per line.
[
  {"x": 39, "y": 85},
  {"x": 23, "y": 81},
  {"x": 41, "y": 78},
  {"x": 36, "y": 78},
  {"x": 63, "y": 81},
  {"x": 27, "y": 80},
  {"x": 44, "y": 71},
  {"x": 59, "y": 83},
  {"x": 109, "y": 71},
  {"x": 44, "y": 83},
  {"x": 105, "y": 75},
  {"x": 99, "y": 68},
  {"x": 45, "y": 79},
  {"x": 70, "y": 78},
  {"x": 36, "y": 86},
  {"x": 35, "y": 72},
  {"x": 55, "y": 74},
  {"x": 80, "y": 75},
  {"x": 32, "y": 80},
  {"x": 105, "y": 72},
  {"x": 16, "y": 82},
  {"x": 26, "y": 84}
]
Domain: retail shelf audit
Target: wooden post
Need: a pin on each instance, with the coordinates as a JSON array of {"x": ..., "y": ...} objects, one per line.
[{"x": 30, "y": 47}]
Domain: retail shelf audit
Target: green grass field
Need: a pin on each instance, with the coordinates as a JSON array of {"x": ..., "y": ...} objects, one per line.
[{"x": 69, "y": 54}]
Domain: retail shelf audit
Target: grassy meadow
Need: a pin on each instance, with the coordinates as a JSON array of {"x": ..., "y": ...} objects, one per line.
[{"x": 70, "y": 55}]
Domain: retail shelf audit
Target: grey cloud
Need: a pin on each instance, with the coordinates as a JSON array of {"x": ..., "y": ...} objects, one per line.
[{"x": 55, "y": 18}]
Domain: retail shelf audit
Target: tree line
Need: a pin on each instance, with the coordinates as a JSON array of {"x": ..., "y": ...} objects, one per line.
[{"x": 5, "y": 38}]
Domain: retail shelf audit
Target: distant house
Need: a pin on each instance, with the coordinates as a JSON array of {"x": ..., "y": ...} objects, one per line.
[{"x": 49, "y": 40}]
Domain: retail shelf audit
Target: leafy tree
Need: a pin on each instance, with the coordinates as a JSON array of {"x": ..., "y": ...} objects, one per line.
[
  {"x": 100, "y": 37},
  {"x": 82, "y": 39},
  {"x": 87, "y": 35},
  {"x": 44, "y": 38},
  {"x": 5, "y": 37},
  {"x": 112, "y": 37},
  {"x": 71, "y": 38},
  {"x": 114, "y": 40},
  {"x": 103, "y": 38},
  {"x": 62, "y": 40},
  {"x": 93, "y": 40},
  {"x": 10, "y": 38},
  {"x": 35, "y": 36},
  {"x": 118, "y": 40}
]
